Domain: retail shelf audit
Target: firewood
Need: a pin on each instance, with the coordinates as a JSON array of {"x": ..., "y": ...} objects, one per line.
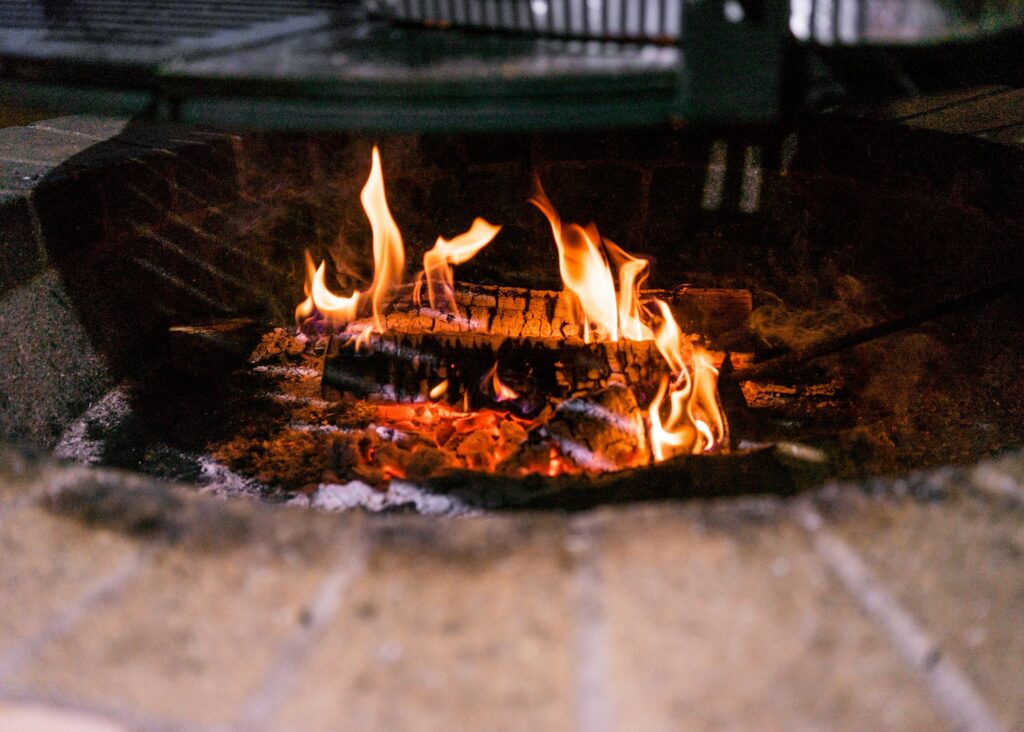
[
  {"x": 211, "y": 349},
  {"x": 407, "y": 367},
  {"x": 515, "y": 312}
]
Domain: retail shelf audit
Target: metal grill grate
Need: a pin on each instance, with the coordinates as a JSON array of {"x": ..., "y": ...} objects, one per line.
[
  {"x": 53, "y": 27},
  {"x": 659, "y": 20}
]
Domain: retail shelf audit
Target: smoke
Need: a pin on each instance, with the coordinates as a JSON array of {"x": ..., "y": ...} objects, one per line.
[{"x": 778, "y": 324}]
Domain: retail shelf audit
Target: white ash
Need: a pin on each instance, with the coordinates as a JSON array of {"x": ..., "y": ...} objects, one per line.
[
  {"x": 220, "y": 480},
  {"x": 400, "y": 494},
  {"x": 302, "y": 372},
  {"x": 108, "y": 413}
]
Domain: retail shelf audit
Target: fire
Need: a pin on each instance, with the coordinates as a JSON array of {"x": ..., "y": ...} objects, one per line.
[
  {"x": 695, "y": 423},
  {"x": 389, "y": 262},
  {"x": 388, "y": 250},
  {"x": 437, "y": 263},
  {"x": 584, "y": 269},
  {"x": 492, "y": 385},
  {"x": 602, "y": 280}
]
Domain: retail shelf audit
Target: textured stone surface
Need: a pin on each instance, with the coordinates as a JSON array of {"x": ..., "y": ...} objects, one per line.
[
  {"x": 464, "y": 625},
  {"x": 707, "y": 616},
  {"x": 728, "y": 622},
  {"x": 958, "y": 565},
  {"x": 48, "y": 566},
  {"x": 49, "y": 371},
  {"x": 194, "y": 627},
  {"x": 20, "y": 249}
]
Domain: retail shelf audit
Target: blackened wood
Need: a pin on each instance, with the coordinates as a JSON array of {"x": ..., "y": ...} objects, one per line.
[
  {"x": 406, "y": 367},
  {"x": 209, "y": 349}
]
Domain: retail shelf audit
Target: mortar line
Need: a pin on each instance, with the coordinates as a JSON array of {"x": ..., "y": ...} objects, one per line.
[
  {"x": 593, "y": 702},
  {"x": 259, "y": 709},
  {"x": 950, "y": 688},
  {"x": 64, "y": 622}
]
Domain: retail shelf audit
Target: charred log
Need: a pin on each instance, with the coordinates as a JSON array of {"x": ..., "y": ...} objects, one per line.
[{"x": 459, "y": 368}]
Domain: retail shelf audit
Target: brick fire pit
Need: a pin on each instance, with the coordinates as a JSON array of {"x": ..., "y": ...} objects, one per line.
[{"x": 130, "y": 602}]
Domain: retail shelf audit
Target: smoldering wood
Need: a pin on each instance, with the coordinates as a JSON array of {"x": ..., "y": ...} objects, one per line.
[
  {"x": 405, "y": 367},
  {"x": 770, "y": 470}
]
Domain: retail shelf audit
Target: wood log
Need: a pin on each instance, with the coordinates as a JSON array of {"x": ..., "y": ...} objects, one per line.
[
  {"x": 515, "y": 312},
  {"x": 212, "y": 349},
  {"x": 407, "y": 367}
]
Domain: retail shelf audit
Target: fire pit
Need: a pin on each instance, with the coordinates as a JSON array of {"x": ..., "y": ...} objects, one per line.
[{"x": 746, "y": 314}]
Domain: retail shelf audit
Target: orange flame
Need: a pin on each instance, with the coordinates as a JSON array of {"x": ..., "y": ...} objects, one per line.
[
  {"x": 388, "y": 250},
  {"x": 695, "y": 422},
  {"x": 437, "y": 263},
  {"x": 632, "y": 274},
  {"x": 584, "y": 268},
  {"x": 501, "y": 392}
]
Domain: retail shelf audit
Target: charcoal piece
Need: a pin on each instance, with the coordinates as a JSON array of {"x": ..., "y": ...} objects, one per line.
[{"x": 602, "y": 430}]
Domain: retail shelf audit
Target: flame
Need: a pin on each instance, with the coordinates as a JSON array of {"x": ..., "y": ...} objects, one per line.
[
  {"x": 437, "y": 263},
  {"x": 695, "y": 422},
  {"x": 584, "y": 269},
  {"x": 670, "y": 341},
  {"x": 440, "y": 390},
  {"x": 388, "y": 250},
  {"x": 633, "y": 272},
  {"x": 492, "y": 384},
  {"x": 305, "y": 308}
]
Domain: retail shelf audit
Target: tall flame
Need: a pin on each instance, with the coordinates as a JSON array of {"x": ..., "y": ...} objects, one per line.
[
  {"x": 437, "y": 263},
  {"x": 584, "y": 268},
  {"x": 388, "y": 250},
  {"x": 633, "y": 272}
]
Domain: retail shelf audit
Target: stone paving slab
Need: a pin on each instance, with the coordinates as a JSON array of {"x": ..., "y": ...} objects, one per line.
[
  {"x": 957, "y": 565},
  {"x": 47, "y": 565},
  {"x": 186, "y": 642},
  {"x": 460, "y": 625},
  {"x": 719, "y": 620}
]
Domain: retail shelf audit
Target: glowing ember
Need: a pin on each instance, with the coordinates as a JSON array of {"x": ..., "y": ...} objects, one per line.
[{"x": 603, "y": 283}]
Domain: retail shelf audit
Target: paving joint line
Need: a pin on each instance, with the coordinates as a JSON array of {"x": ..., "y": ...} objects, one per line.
[
  {"x": 259, "y": 709},
  {"x": 952, "y": 690}
]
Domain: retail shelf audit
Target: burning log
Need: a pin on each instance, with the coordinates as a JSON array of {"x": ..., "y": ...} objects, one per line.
[
  {"x": 479, "y": 370},
  {"x": 516, "y": 312}
]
